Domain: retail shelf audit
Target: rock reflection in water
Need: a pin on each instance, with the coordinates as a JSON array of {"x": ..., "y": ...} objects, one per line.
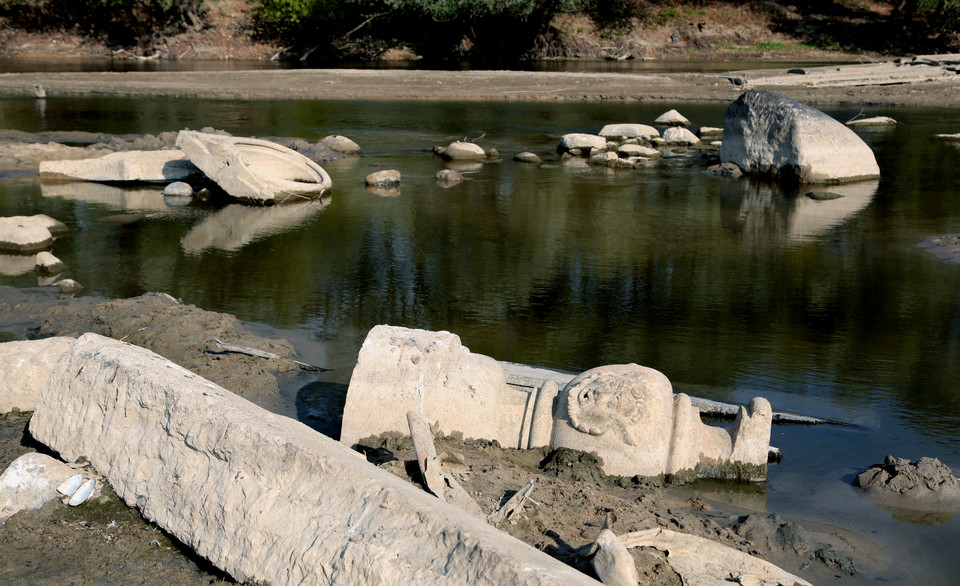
[
  {"x": 763, "y": 212},
  {"x": 237, "y": 225},
  {"x": 13, "y": 265},
  {"x": 131, "y": 199}
]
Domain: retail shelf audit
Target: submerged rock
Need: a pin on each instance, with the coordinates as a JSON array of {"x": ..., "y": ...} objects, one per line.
[{"x": 385, "y": 178}]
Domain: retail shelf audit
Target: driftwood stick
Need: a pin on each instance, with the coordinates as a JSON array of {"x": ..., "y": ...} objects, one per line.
[
  {"x": 514, "y": 503},
  {"x": 267, "y": 355},
  {"x": 426, "y": 453}
]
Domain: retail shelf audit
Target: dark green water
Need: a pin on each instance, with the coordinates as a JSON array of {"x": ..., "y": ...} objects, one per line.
[{"x": 731, "y": 289}]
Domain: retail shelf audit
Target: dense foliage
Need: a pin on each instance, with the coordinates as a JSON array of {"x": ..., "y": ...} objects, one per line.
[
  {"x": 125, "y": 23},
  {"x": 476, "y": 29}
]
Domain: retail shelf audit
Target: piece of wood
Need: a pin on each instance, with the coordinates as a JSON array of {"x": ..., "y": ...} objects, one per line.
[
  {"x": 267, "y": 355},
  {"x": 426, "y": 453},
  {"x": 513, "y": 503}
]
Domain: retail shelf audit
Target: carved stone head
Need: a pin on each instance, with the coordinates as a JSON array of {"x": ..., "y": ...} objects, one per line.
[{"x": 621, "y": 412}]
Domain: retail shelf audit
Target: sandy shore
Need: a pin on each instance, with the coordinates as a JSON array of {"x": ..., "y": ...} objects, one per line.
[{"x": 904, "y": 86}]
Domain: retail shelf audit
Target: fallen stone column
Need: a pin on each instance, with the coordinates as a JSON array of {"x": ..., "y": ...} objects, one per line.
[{"x": 262, "y": 496}]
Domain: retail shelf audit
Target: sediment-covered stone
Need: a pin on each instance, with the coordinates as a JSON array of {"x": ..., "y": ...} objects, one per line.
[
  {"x": 150, "y": 166},
  {"x": 262, "y": 496}
]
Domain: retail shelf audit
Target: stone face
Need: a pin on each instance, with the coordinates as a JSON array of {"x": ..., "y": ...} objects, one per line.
[
  {"x": 262, "y": 496},
  {"x": 24, "y": 235},
  {"x": 383, "y": 178},
  {"x": 29, "y": 482},
  {"x": 581, "y": 142},
  {"x": 641, "y": 131},
  {"x": 627, "y": 414},
  {"x": 463, "y": 151},
  {"x": 340, "y": 144},
  {"x": 680, "y": 135},
  {"x": 150, "y": 166},
  {"x": 672, "y": 118},
  {"x": 623, "y": 413},
  {"x": 24, "y": 367},
  {"x": 773, "y": 136},
  {"x": 401, "y": 369}
]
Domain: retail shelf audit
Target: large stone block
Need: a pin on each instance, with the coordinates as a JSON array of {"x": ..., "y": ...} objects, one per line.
[
  {"x": 25, "y": 367},
  {"x": 150, "y": 166},
  {"x": 262, "y": 496},
  {"x": 401, "y": 369},
  {"x": 773, "y": 136}
]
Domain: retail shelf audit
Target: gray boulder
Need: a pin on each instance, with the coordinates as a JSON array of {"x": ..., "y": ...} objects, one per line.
[
  {"x": 773, "y": 136},
  {"x": 672, "y": 118},
  {"x": 47, "y": 264},
  {"x": 680, "y": 136},
  {"x": 924, "y": 484},
  {"x": 527, "y": 157}
]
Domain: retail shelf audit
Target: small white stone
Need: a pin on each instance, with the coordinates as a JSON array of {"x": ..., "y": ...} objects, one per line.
[
  {"x": 83, "y": 493},
  {"x": 70, "y": 485}
]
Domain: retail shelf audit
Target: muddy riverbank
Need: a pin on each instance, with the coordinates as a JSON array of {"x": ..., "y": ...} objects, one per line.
[{"x": 104, "y": 540}]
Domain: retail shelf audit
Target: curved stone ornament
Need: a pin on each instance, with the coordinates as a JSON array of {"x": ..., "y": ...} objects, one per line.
[{"x": 252, "y": 169}]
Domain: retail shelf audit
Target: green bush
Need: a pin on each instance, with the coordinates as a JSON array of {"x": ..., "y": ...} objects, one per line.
[{"x": 448, "y": 28}]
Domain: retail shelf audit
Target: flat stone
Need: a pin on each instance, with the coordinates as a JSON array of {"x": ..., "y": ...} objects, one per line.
[
  {"x": 641, "y": 131},
  {"x": 636, "y": 150},
  {"x": 449, "y": 177},
  {"x": 24, "y": 235},
  {"x": 263, "y": 497},
  {"x": 148, "y": 166}
]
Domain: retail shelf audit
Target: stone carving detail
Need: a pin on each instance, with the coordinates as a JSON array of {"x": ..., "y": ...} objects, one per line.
[{"x": 627, "y": 414}]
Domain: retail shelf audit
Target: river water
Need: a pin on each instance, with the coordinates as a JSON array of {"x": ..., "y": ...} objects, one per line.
[{"x": 733, "y": 289}]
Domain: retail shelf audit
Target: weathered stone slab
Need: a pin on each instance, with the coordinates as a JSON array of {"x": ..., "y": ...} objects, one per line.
[
  {"x": 262, "y": 496},
  {"x": 24, "y": 368},
  {"x": 402, "y": 369},
  {"x": 773, "y": 136},
  {"x": 148, "y": 166}
]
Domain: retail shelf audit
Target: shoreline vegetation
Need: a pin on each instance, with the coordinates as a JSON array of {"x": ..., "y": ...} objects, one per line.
[{"x": 480, "y": 33}]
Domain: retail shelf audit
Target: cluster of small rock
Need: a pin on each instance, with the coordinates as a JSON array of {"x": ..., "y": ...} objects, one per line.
[
  {"x": 923, "y": 482},
  {"x": 23, "y": 237}
]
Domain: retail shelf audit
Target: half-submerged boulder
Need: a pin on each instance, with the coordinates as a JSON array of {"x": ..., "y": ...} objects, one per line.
[
  {"x": 462, "y": 151},
  {"x": 28, "y": 234},
  {"x": 263, "y": 497},
  {"x": 775, "y": 137}
]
